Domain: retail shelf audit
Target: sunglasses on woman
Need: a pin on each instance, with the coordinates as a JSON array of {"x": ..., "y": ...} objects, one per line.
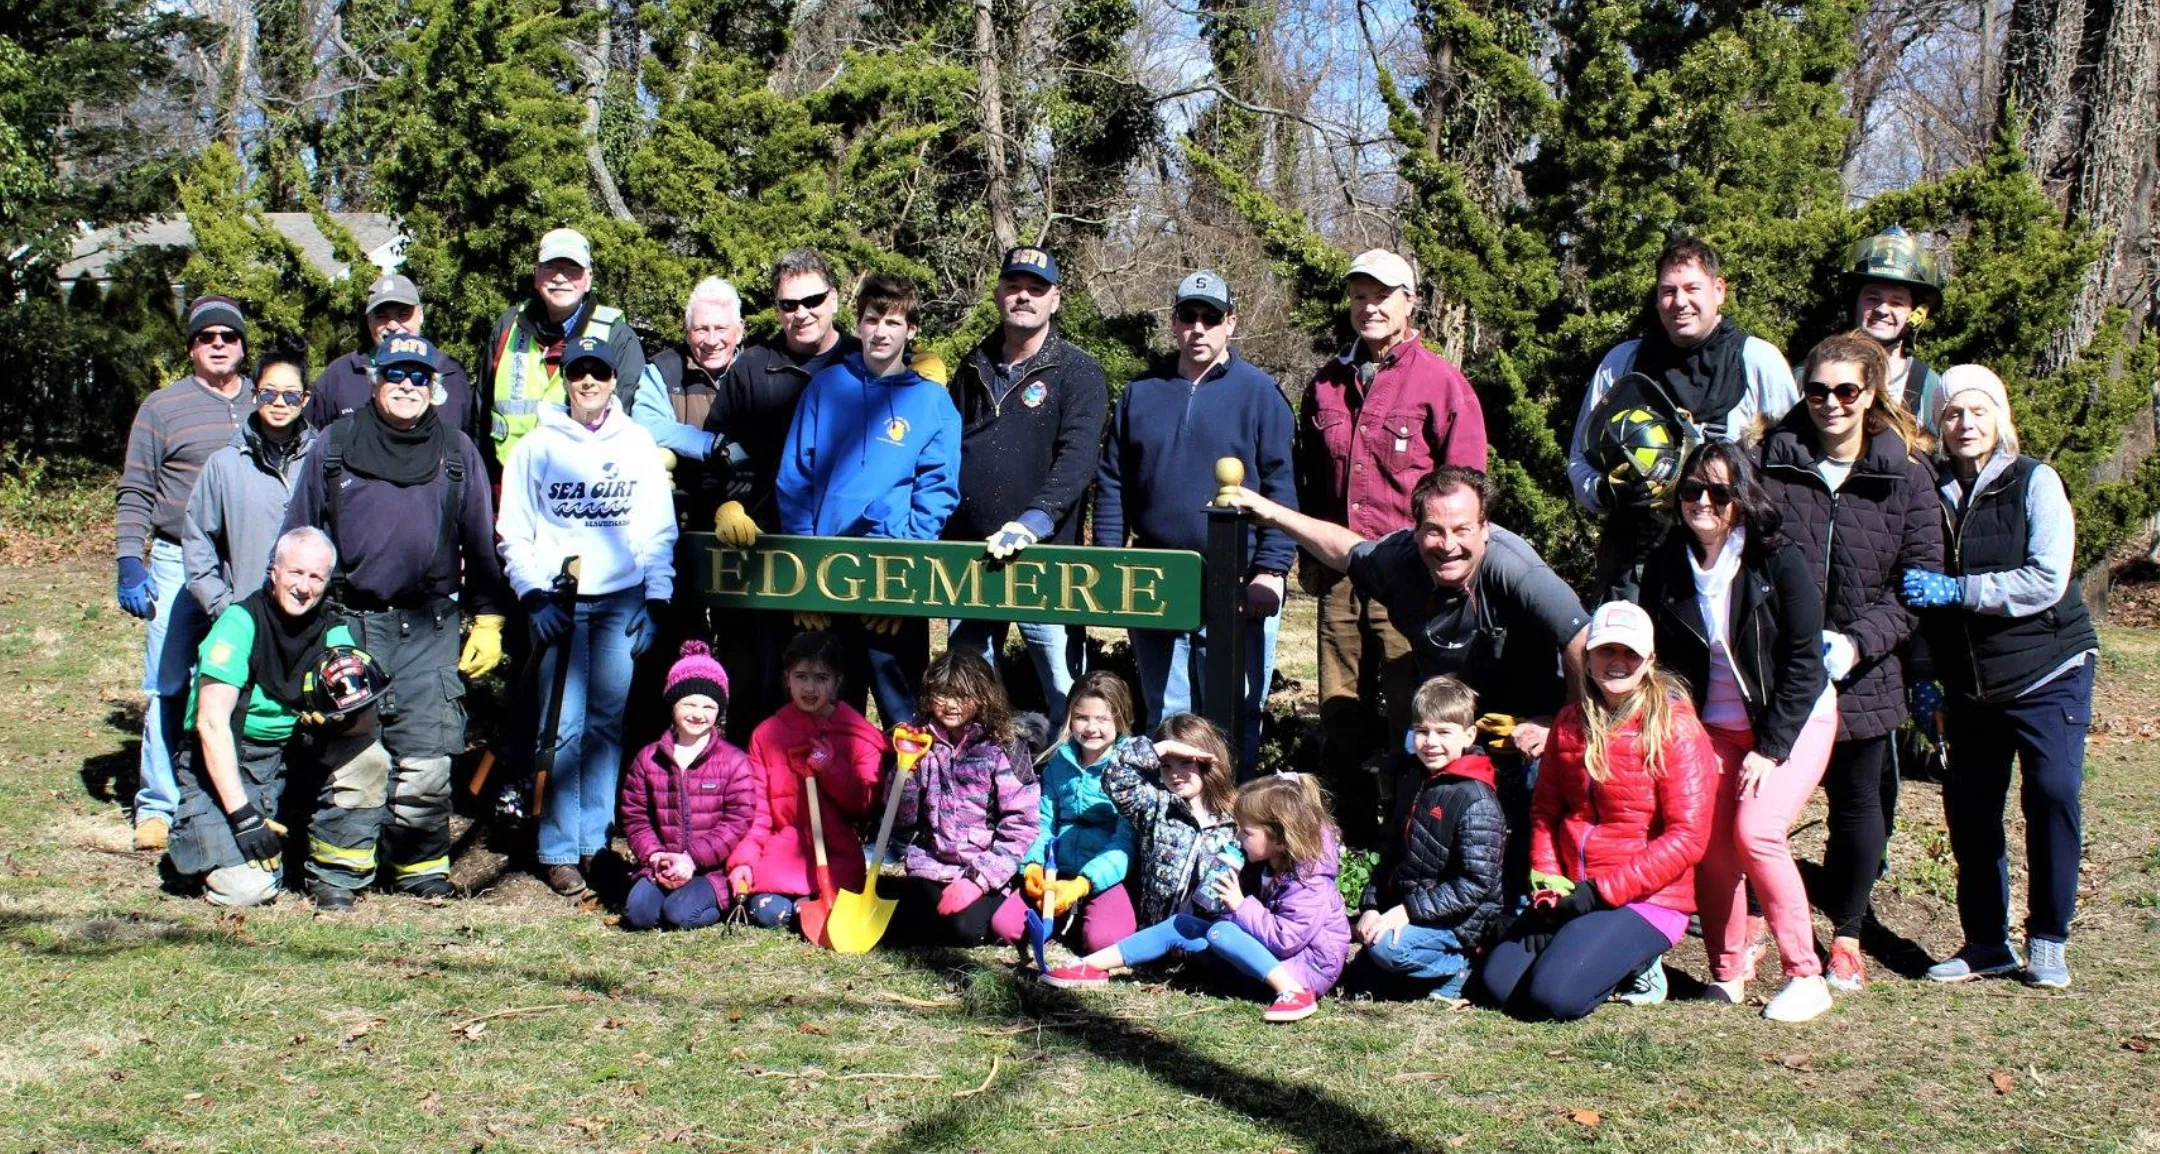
[
  {"x": 290, "y": 398},
  {"x": 1847, "y": 393},
  {"x": 1693, "y": 490}
]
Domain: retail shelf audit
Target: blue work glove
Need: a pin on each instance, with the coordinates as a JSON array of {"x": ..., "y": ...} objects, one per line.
[
  {"x": 138, "y": 594},
  {"x": 1928, "y": 702},
  {"x": 550, "y": 622},
  {"x": 640, "y": 628},
  {"x": 1925, "y": 590}
]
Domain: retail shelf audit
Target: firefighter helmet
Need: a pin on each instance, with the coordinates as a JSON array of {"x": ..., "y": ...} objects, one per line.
[
  {"x": 1896, "y": 256},
  {"x": 344, "y": 681},
  {"x": 1640, "y": 442}
]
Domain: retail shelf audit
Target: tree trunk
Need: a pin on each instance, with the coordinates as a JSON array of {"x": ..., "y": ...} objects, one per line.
[
  {"x": 2040, "y": 67},
  {"x": 595, "y": 61},
  {"x": 990, "y": 82},
  {"x": 2112, "y": 176}
]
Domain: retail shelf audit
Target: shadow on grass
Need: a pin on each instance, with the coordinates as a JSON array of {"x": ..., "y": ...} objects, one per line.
[
  {"x": 114, "y": 776},
  {"x": 1901, "y": 955}
]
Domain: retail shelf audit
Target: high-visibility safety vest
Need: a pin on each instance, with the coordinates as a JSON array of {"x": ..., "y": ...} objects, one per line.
[{"x": 524, "y": 378}]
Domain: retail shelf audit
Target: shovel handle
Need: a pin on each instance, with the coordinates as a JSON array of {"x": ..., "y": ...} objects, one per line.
[
  {"x": 884, "y": 830},
  {"x": 817, "y": 839}
]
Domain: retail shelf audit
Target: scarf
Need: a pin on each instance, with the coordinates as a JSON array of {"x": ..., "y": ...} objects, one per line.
[
  {"x": 1713, "y": 586},
  {"x": 1707, "y": 380},
  {"x": 399, "y": 456},
  {"x": 286, "y": 648},
  {"x": 272, "y": 451}
]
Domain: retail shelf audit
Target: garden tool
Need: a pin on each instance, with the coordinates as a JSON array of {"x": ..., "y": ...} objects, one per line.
[{"x": 858, "y": 920}]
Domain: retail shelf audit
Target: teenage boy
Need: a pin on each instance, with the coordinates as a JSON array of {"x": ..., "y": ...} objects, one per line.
[{"x": 874, "y": 451}]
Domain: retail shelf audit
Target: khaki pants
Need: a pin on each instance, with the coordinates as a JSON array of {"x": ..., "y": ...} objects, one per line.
[{"x": 1367, "y": 678}]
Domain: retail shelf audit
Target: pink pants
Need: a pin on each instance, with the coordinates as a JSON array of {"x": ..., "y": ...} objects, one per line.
[
  {"x": 1105, "y": 918},
  {"x": 1748, "y": 843}
]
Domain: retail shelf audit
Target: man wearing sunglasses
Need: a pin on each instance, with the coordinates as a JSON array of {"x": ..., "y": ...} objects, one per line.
[
  {"x": 238, "y": 504},
  {"x": 524, "y": 353},
  {"x": 405, "y": 502},
  {"x": 393, "y": 306},
  {"x": 175, "y": 431},
  {"x": 1158, "y": 476},
  {"x": 1715, "y": 376}
]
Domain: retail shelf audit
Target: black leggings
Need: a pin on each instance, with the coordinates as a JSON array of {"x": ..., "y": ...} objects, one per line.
[
  {"x": 916, "y": 922},
  {"x": 1859, "y": 829},
  {"x": 1575, "y": 972}
]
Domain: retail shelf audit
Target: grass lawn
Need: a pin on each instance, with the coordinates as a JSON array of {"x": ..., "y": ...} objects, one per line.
[{"x": 134, "y": 1020}]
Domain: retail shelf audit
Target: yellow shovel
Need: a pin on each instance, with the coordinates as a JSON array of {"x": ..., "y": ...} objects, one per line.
[{"x": 858, "y": 920}]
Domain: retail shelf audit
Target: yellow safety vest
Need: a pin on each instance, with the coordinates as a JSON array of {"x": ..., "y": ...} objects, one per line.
[{"x": 524, "y": 378}]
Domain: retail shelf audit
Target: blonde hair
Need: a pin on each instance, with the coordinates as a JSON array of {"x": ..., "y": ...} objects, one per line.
[
  {"x": 1218, "y": 789},
  {"x": 1445, "y": 701},
  {"x": 1293, "y": 809},
  {"x": 1651, "y": 700},
  {"x": 1886, "y": 412}
]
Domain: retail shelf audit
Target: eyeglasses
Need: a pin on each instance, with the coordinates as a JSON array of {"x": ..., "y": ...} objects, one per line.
[
  {"x": 401, "y": 375},
  {"x": 809, "y": 302},
  {"x": 1693, "y": 490},
  {"x": 1205, "y": 318},
  {"x": 1847, "y": 393},
  {"x": 290, "y": 398},
  {"x": 217, "y": 337}
]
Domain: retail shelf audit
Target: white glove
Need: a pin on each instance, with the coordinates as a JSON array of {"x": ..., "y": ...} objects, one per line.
[
  {"x": 1010, "y": 539},
  {"x": 1838, "y": 655}
]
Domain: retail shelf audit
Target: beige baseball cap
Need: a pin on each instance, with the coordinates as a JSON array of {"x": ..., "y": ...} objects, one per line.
[
  {"x": 1623, "y": 623},
  {"x": 566, "y": 244},
  {"x": 1385, "y": 267}
]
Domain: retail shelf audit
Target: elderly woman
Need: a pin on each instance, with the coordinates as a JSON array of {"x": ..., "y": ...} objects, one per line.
[
  {"x": 2015, "y": 649},
  {"x": 587, "y": 483}
]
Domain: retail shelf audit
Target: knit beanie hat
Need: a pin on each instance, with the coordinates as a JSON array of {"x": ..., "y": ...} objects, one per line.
[
  {"x": 696, "y": 672},
  {"x": 1981, "y": 379},
  {"x": 205, "y": 312}
]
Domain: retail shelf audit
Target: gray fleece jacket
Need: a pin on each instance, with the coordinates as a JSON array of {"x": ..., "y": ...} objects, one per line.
[{"x": 234, "y": 514}]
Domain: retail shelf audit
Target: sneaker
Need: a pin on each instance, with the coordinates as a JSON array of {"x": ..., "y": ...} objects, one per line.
[
  {"x": 1647, "y": 988},
  {"x": 2045, "y": 964},
  {"x": 432, "y": 886},
  {"x": 1292, "y": 1007},
  {"x": 330, "y": 899},
  {"x": 1848, "y": 974},
  {"x": 566, "y": 880},
  {"x": 1802, "y": 1000},
  {"x": 152, "y": 833},
  {"x": 1732, "y": 993},
  {"x": 1076, "y": 976},
  {"x": 1973, "y": 961}
]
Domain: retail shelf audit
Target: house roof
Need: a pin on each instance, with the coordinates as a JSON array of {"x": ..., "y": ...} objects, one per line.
[{"x": 97, "y": 250}]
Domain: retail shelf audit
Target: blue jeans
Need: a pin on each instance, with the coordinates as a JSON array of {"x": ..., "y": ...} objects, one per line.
[
  {"x": 580, "y": 800},
  {"x": 1224, "y": 939},
  {"x": 1168, "y": 663},
  {"x": 1419, "y": 959},
  {"x": 1051, "y": 647},
  {"x": 169, "y": 645},
  {"x": 690, "y": 906}
]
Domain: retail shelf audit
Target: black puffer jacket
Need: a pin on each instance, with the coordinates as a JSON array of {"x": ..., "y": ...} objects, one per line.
[
  {"x": 1858, "y": 542},
  {"x": 1445, "y": 862},
  {"x": 1774, "y": 630}
]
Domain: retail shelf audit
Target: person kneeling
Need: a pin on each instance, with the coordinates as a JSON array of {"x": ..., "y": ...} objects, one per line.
[{"x": 688, "y": 802}]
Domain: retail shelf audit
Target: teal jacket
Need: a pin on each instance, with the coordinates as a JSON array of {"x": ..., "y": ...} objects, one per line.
[{"x": 1091, "y": 838}]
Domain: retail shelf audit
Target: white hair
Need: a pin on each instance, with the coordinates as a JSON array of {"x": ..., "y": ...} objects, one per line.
[
  {"x": 713, "y": 291},
  {"x": 304, "y": 535}
]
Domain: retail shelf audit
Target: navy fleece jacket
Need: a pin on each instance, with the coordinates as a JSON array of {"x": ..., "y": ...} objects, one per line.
[
  {"x": 1158, "y": 466},
  {"x": 870, "y": 456}
]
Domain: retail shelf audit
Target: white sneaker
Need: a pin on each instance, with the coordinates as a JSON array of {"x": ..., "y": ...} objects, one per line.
[
  {"x": 1802, "y": 1000},
  {"x": 1732, "y": 993}
]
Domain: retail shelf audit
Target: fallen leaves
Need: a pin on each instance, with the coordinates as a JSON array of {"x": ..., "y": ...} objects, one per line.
[
  {"x": 2001, "y": 1081},
  {"x": 358, "y": 1030},
  {"x": 2138, "y": 1043},
  {"x": 591, "y": 1125},
  {"x": 471, "y": 1031},
  {"x": 812, "y": 1028},
  {"x": 1587, "y": 1119}
]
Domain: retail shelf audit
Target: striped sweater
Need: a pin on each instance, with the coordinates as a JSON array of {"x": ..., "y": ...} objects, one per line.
[{"x": 175, "y": 431}]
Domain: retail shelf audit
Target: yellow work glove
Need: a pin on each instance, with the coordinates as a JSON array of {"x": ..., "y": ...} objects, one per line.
[
  {"x": 1064, "y": 892},
  {"x": 808, "y": 621},
  {"x": 1031, "y": 882},
  {"x": 882, "y": 625},
  {"x": 1496, "y": 728},
  {"x": 734, "y": 527},
  {"x": 667, "y": 459},
  {"x": 483, "y": 649}
]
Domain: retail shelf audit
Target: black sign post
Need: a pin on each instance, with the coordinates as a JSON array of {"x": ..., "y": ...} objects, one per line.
[{"x": 1220, "y": 692}]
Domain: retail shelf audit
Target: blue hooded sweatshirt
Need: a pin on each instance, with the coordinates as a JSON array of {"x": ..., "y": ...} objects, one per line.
[{"x": 870, "y": 456}]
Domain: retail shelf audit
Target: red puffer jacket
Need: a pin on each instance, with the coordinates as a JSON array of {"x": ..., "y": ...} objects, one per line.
[
  {"x": 778, "y": 849},
  {"x": 1637, "y": 836},
  {"x": 704, "y": 811}
]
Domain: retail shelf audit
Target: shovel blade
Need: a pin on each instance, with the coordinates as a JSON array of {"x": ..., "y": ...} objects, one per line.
[
  {"x": 815, "y": 918},
  {"x": 1038, "y": 932},
  {"x": 858, "y": 920}
]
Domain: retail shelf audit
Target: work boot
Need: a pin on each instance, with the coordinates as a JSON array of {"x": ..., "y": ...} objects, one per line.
[
  {"x": 152, "y": 833},
  {"x": 433, "y": 886},
  {"x": 328, "y": 898},
  {"x": 566, "y": 880}
]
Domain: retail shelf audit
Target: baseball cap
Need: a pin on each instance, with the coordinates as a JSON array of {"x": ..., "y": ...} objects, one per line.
[
  {"x": 403, "y": 349},
  {"x": 1385, "y": 267},
  {"x": 565, "y": 244},
  {"x": 1035, "y": 262},
  {"x": 1207, "y": 288},
  {"x": 590, "y": 349},
  {"x": 1623, "y": 623},
  {"x": 392, "y": 289}
]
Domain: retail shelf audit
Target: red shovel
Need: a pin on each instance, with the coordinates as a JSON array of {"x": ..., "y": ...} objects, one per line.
[{"x": 813, "y": 914}]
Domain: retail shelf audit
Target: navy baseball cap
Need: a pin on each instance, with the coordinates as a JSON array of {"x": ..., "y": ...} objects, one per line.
[
  {"x": 590, "y": 349},
  {"x": 1035, "y": 262},
  {"x": 403, "y": 349}
]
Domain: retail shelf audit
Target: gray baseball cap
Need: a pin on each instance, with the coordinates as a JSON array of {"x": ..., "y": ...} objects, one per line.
[
  {"x": 1207, "y": 288},
  {"x": 393, "y": 289}
]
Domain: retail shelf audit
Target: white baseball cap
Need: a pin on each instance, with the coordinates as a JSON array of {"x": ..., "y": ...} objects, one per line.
[
  {"x": 566, "y": 244},
  {"x": 1623, "y": 623},
  {"x": 1385, "y": 267}
]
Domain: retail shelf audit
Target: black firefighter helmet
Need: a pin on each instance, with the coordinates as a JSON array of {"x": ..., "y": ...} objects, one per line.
[
  {"x": 344, "y": 681},
  {"x": 1639, "y": 440}
]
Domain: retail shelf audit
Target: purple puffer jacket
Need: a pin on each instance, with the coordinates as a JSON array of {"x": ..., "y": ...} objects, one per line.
[
  {"x": 966, "y": 811},
  {"x": 703, "y": 810},
  {"x": 1299, "y": 917}
]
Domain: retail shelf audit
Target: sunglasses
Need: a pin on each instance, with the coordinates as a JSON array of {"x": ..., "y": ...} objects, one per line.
[
  {"x": 290, "y": 398},
  {"x": 1818, "y": 392},
  {"x": 1693, "y": 490},
  {"x": 588, "y": 369},
  {"x": 400, "y": 375},
  {"x": 217, "y": 337},
  {"x": 1206, "y": 318},
  {"x": 809, "y": 302}
]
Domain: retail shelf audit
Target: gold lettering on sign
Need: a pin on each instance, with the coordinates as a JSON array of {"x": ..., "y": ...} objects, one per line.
[
  {"x": 770, "y": 587},
  {"x": 727, "y": 570},
  {"x": 1076, "y": 581},
  {"x": 1135, "y": 590},
  {"x": 891, "y": 573},
  {"x": 1022, "y": 576},
  {"x": 945, "y": 588},
  {"x": 853, "y": 585}
]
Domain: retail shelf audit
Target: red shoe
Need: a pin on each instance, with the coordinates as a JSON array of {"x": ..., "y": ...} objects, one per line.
[
  {"x": 1076, "y": 976},
  {"x": 1847, "y": 972},
  {"x": 1293, "y": 1007}
]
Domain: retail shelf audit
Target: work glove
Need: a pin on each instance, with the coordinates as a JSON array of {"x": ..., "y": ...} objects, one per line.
[
  {"x": 261, "y": 842},
  {"x": 736, "y": 483},
  {"x": 667, "y": 460},
  {"x": 1065, "y": 892},
  {"x": 483, "y": 649},
  {"x": 1264, "y": 595},
  {"x": 1928, "y": 590},
  {"x": 1030, "y": 526},
  {"x": 1031, "y": 882},
  {"x": 1583, "y": 899},
  {"x": 642, "y": 626},
  {"x": 1838, "y": 655},
  {"x": 958, "y": 896},
  {"x": 137, "y": 592},
  {"x": 1495, "y": 729},
  {"x": 882, "y": 625},
  {"x": 550, "y": 621},
  {"x": 812, "y": 622},
  {"x": 1559, "y": 885},
  {"x": 734, "y": 527}
]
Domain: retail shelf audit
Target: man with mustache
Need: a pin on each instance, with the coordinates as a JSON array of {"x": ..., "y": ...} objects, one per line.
[{"x": 393, "y": 307}]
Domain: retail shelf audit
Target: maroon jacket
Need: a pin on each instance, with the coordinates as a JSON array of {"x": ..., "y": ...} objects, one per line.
[
  {"x": 1360, "y": 449},
  {"x": 704, "y": 810}
]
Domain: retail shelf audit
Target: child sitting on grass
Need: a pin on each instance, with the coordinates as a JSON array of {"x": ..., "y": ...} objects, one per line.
[
  {"x": 1176, "y": 793},
  {"x": 1291, "y": 934},
  {"x": 1435, "y": 896},
  {"x": 1081, "y": 832},
  {"x": 687, "y": 802}
]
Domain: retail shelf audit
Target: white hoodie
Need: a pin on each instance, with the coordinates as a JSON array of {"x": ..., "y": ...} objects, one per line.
[{"x": 596, "y": 494}]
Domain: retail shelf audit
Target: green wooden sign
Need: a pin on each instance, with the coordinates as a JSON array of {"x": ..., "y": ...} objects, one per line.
[{"x": 1059, "y": 584}]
